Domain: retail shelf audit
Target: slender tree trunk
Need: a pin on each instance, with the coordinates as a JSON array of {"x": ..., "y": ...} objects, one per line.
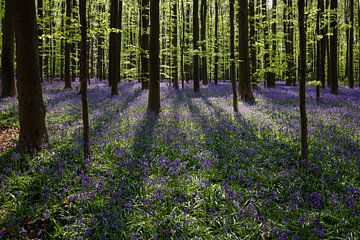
[
  {"x": 74, "y": 47},
  {"x": 40, "y": 17},
  {"x": 272, "y": 76},
  {"x": 351, "y": 46},
  {"x": 195, "y": 45},
  {"x": 302, "y": 83},
  {"x": 154, "y": 52},
  {"x": 245, "y": 89},
  {"x": 145, "y": 44},
  {"x": 216, "y": 67},
  {"x": 100, "y": 49},
  {"x": 253, "y": 60},
  {"x": 83, "y": 79},
  {"x": 33, "y": 134},
  {"x": 232, "y": 57},
  {"x": 175, "y": 72},
  {"x": 266, "y": 44},
  {"x": 67, "y": 46},
  {"x": 7, "y": 57},
  {"x": 204, "y": 70},
  {"x": 183, "y": 45},
  {"x": 320, "y": 55},
  {"x": 333, "y": 64}
]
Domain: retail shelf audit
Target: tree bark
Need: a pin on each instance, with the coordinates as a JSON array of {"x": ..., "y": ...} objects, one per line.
[
  {"x": 67, "y": 46},
  {"x": 245, "y": 89},
  {"x": 83, "y": 79},
  {"x": 144, "y": 44},
  {"x": 154, "y": 52},
  {"x": 175, "y": 75},
  {"x": 204, "y": 70},
  {"x": 216, "y": 67},
  {"x": 302, "y": 83},
  {"x": 253, "y": 56},
  {"x": 351, "y": 46},
  {"x": 115, "y": 46},
  {"x": 33, "y": 134},
  {"x": 232, "y": 57},
  {"x": 320, "y": 55},
  {"x": 7, "y": 57},
  {"x": 333, "y": 63},
  {"x": 266, "y": 43},
  {"x": 271, "y": 81},
  {"x": 195, "y": 45}
]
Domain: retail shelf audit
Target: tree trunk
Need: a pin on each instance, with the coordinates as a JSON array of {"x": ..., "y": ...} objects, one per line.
[
  {"x": 302, "y": 83},
  {"x": 175, "y": 75},
  {"x": 266, "y": 43},
  {"x": 40, "y": 30},
  {"x": 115, "y": 45},
  {"x": 333, "y": 63},
  {"x": 83, "y": 79},
  {"x": 252, "y": 40},
  {"x": 351, "y": 46},
  {"x": 195, "y": 45},
  {"x": 232, "y": 57},
  {"x": 245, "y": 89},
  {"x": 7, "y": 57},
  {"x": 272, "y": 76},
  {"x": 183, "y": 45},
  {"x": 204, "y": 69},
  {"x": 154, "y": 52},
  {"x": 33, "y": 134},
  {"x": 67, "y": 46},
  {"x": 216, "y": 67},
  {"x": 144, "y": 44},
  {"x": 320, "y": 55}
]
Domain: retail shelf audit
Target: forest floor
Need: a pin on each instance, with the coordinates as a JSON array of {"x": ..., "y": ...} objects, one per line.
[{"x": 197, "y": 171}]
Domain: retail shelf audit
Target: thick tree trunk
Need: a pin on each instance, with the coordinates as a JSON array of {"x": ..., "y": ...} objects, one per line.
[
  {"x": 144, "y": 44},
  {"x": 7, "y": 57},
  {"x": 83, "y": 79},
  {"x": 154, "y": 52},
  {"x": 67, "y": 46},
  {"x": 33, "y": 134},
  {"x": 196, "y": 45},
  {"x": 115, "y": 45},
  {"x": 333, "y": 63},
  {"x": 204, "y": 70},
  {"x": 175, "y": 72},
  {"x": 302, "y": 82},
  {"x": 232, "y": 57},
  {"x": 245, "y": 89}
]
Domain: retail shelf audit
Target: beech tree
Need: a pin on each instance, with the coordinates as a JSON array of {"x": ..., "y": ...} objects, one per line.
[
  {"x": 83, "y": 79},
  {"x": 333, "y": 54},
  {"x": 33, "y": 133},
  {"x": 302, "y": 81},
  {"x": 245, "y": 89},
  {"x": 154, "y": 52},
  {"x": 232, "y": 57},
  {"x": 7, "y": 55},
  {"x": 196, "y": 46}
]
